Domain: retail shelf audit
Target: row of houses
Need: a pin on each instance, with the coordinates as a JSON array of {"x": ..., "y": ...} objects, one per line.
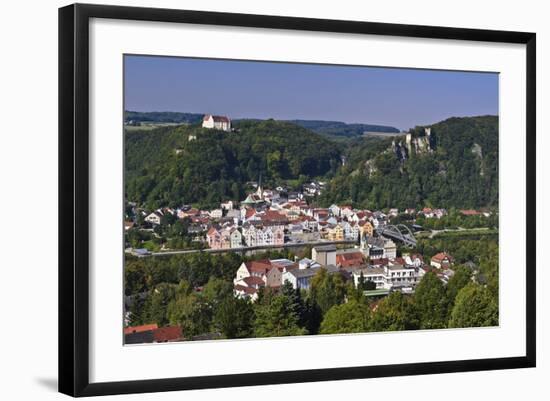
[{"x": 397, "y": 273}]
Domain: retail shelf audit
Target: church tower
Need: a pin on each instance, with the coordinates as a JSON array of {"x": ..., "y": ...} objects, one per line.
[{"x": 260, "y": 191}]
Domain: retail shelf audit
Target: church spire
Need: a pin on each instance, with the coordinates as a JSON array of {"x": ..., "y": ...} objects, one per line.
[{"x": 260, "y": 191}]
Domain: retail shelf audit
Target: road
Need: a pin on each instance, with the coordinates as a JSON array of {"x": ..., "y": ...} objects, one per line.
[
  {"x": 433, "y": 233},
  {"x": 252, "y": 248}
]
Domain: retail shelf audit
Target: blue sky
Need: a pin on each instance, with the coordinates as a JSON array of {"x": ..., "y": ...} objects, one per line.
[{"x": 244, "y": 89}]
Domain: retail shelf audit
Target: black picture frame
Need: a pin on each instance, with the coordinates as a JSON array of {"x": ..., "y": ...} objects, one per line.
[{"x": 74, "y": 198}]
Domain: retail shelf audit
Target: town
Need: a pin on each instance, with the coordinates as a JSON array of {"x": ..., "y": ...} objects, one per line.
[{"x": 373, "y": 252}]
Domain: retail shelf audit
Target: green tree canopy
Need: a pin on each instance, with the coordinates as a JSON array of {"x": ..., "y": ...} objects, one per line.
[
  {"x": 474, "y": 307},
  {"x": 275, "y": 317},
  {"x": 430, "y": 300},
  {"x": 233, "y": 317},
  {"x": 395, "y": 312},
  {"x": 351, "y": 317},
  {"x": 460, "y": 279},
  {"x": 190, "y": 311},
  {"x": 327, "y": 289}
]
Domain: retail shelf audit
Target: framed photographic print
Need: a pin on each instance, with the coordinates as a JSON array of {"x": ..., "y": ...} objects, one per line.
[{"x": 250, "y": 199}]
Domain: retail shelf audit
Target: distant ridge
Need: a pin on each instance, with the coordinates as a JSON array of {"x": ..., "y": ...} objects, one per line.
[{"x": 326, "y": 128}]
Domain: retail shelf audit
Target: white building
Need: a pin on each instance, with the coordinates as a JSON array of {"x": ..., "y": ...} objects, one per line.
[
  {"x": 153, "y": 218},
  {"x": 216, "y": 213},
  {"x": 216, "y": 122},
  {"x": 388, "y": 277},
  {"x": 324, "y": 255}
]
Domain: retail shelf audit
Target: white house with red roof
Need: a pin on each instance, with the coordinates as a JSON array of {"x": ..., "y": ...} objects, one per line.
[
  {"x": 442, "y": 260},
  {"x": 216, "y": 122}
]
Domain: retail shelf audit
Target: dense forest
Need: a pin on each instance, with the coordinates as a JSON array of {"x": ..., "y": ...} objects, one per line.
[
  {"x": 163, "y": 117},
  {"x": 460, "y": 169},
  {"x": 164, "y": 167},
  {"x": 340, "y": 129}
]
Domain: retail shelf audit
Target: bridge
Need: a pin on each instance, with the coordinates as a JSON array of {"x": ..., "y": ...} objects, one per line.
[{"x": 399, "y": 232}]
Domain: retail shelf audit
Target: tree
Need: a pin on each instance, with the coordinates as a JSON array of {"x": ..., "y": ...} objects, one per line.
[
  {"x": 217, "y": 290},
  {"x": 190, "y": 311},
  {"x": 275, "y": 317},
  {"x": 351, "y": 317},
  {"x": 474, "y": 307},
  {"x": 395, "y": 312},
  {"x": 430, "y": 300},
  {"x": 233, "y": 317},
  {"x": 327, "y": 289},
  {"x": 459, "y": 280},
  {"x": 157, "y": 303}
]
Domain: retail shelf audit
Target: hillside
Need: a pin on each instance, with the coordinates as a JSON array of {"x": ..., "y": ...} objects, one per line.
[
  {"x": 164, "y": 167},
  {"x": 163, "y": 117},
  {"x": 336, "y": 129},
  {"x": 331, "y": 129},
  {"x": 457, "y": 166}
]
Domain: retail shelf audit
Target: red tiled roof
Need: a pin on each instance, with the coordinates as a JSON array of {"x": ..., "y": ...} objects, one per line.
[
  {"x": 399, "y": 261},
  {"x": 246, "y": 290},
  {"x": 349, "y": 259},
  {"x": 380, "y": 262},
  {"x": 253, "y": 281},
  {"x": 470, "y": 212},
  {"x": 140, "y": 329},
  {"x": 218, "y": 119},
  {"x": 258, "y": 265},
  {"x": 165, "y": 334},
  {"x": 441, "y": 256},
  {"x": 274, "y": 216}
]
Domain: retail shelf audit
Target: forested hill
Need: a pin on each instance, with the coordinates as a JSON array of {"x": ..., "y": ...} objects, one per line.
[
  {"x": 164, "y": 167},
  {"x": 456, "y": 166},
  {"x": 340, "y": 129},
  {"x": 331, "y": 129}
]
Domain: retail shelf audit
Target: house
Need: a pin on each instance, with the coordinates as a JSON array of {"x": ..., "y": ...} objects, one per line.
[
  {"x": 366, "y": 228},
  {"x": 401, "y": 276},
  {"x": 374, "y": 274},
  {"x": 213, "y": 237},
  {"x": 263, "y": 236},
  {"x": 216, "y": 122},
  {"x": 306, "y": 263},
  {"x": 349, "y": 258},
  {"x": 154, "y": 218},
  {"x": 415, "y": 260},
  {"x": 335, "y": 210},
  {"x": 324, "y": 255},
  {"x": 227, "y": 205},
  {"x": 390, "y": 249},
  {"x": 389, "y": 276},
  {"x": 442, "y": 260},
  {"x": 351, "y": 230},
  {"x": 216, "y": 214},
  {"x": 301, "y": 278},
  {"x": 346, "y": 211},
  {"x": 256, "y": 274},
  {"x": 167, "y": 334},
  {"x": 256, "y": 268},
  {"x": 336, "y": 233},
  {"x": 236, "y": 238},
  {"x": 128, "y": 225}
]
